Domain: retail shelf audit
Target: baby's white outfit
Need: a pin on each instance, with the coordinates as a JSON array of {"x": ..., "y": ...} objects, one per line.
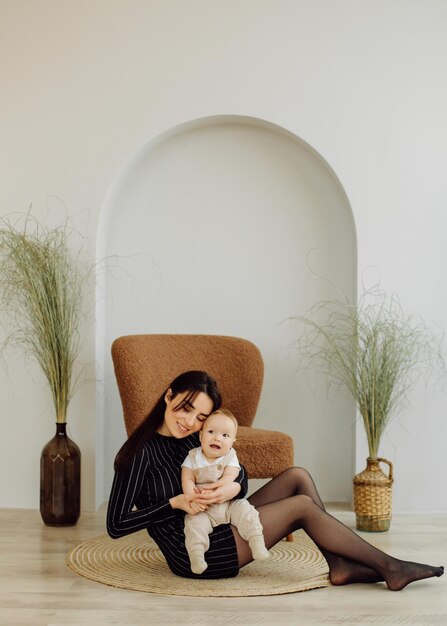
[{"x": 239, "y": 512}]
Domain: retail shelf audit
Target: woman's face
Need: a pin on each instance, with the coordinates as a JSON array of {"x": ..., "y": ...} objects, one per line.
[{"x": 189, "y": 418}]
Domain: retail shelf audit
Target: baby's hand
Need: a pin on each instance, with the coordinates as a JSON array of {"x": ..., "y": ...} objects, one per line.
[
  {"x": 217, "y": 493},
  {"x": 197, "y": 508},
  {"x": 188, "y": 503}
]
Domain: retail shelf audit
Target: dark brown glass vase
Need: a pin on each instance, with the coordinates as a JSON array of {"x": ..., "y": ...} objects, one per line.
[{"x": 60, "y": 480}]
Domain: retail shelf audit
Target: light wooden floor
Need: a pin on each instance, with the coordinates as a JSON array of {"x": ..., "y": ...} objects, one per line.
[{"x": 37, "y": 588}]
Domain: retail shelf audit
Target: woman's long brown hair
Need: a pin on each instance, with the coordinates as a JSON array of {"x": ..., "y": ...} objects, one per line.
[{"x": 193, "y": 383}]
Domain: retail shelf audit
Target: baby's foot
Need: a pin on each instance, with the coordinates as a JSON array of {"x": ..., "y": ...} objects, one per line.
[
  {"x": 198, "y": 563},
  {"x": 258, "y": 549}
]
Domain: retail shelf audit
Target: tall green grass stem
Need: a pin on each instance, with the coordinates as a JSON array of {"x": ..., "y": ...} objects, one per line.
[
  {"x": 41, "y": 286},
  {"x": 373, "y": 349}
]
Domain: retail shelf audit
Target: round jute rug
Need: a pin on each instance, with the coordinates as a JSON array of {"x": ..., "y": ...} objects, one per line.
[{"x": 135, "y": 562}]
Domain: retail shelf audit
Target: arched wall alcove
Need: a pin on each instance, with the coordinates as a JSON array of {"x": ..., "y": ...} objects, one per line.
[{"x": 213, "y": 224}]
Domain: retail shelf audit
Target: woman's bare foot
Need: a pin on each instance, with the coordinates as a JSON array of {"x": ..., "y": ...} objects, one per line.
[{"x": 402, "y": 573}]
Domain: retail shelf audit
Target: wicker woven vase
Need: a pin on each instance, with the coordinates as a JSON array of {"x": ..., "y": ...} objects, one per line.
[{"x": 372, "y": 496}]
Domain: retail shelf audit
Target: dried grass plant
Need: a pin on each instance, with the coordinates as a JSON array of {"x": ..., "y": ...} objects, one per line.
[
  {"x": 372, "y": 348},
  {"x": 41, "y": 286}
]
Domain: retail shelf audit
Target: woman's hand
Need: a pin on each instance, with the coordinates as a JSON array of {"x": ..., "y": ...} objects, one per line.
[
  {"x": 188, "y": 503},
  {"x": 218, "y": 492}
]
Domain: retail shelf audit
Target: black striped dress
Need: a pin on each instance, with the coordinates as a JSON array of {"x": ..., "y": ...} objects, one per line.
[{"x": 147, "y": 485}]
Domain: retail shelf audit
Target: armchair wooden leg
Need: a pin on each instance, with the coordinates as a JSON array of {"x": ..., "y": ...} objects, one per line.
[{"x": 289, "y": 537}]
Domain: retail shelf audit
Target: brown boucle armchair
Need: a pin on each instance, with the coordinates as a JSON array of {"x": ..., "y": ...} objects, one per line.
[{"x": 146, "y": 364}]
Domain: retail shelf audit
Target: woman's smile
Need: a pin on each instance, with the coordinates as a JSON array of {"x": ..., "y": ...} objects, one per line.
[
  {"x": 188, "y": 419},
  {"x": 182, "y": 427}
]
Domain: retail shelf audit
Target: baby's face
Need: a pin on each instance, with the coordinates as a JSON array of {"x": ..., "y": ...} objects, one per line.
[{"x": 217, "y": 436}]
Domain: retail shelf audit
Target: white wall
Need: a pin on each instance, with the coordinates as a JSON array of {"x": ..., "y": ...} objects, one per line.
[
  {"x": 85, "y": 85},
  {"x": 211, "y": 225}
]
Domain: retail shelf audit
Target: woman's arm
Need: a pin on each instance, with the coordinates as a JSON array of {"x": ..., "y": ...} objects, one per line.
[
  {"x": 127, "y": 483},
  {"x": 242, "y": 480}
]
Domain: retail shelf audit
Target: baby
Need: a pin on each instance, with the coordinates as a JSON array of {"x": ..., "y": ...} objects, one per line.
[{"x": 216, "y": 460}]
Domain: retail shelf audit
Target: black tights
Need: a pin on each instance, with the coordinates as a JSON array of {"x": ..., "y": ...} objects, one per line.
[{"x": 291, "y": 501}]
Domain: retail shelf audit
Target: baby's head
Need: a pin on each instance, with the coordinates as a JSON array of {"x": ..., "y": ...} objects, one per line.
[{"x": 218, "y": 433}]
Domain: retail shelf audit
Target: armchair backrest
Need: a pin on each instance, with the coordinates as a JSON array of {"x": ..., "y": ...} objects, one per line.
[{"x": 146, "y": 364}]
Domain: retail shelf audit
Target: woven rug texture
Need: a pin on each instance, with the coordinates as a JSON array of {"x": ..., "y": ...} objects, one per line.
[{"x": 135, "y": 562}]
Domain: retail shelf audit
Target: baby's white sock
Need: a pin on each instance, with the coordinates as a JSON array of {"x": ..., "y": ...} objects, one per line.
[
  {"x": 198, "y": 563},
  {"x": 258, "y": 549}
]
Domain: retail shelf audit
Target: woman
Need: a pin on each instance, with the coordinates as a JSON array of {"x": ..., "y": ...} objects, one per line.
[{"x": 146, "y": 493}]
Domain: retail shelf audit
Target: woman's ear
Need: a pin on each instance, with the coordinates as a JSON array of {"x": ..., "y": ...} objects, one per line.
[{"x": 168, "y": 395}]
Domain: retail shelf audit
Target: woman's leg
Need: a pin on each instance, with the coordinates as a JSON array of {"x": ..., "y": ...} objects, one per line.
[
  {"x": 282, "y": 517},
  {"x": 294, "y": 481},
  {"x": 297, "y": 481}
]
